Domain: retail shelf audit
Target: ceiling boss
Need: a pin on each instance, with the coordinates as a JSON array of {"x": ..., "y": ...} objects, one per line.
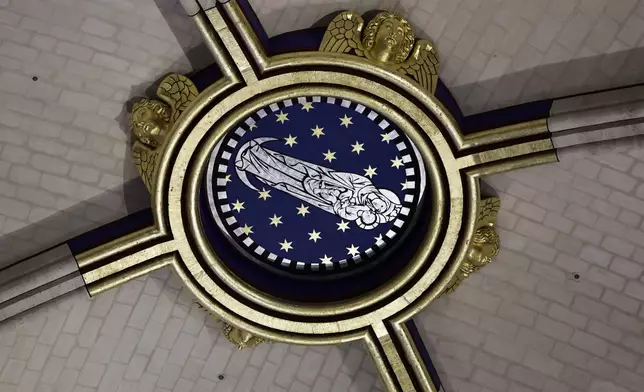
[
  {"x": 314, "y": 198},
  {"x": 388, "y": 40}
]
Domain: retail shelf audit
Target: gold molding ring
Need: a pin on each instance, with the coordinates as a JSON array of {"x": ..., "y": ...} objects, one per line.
[{"x": 260, "y": 313}]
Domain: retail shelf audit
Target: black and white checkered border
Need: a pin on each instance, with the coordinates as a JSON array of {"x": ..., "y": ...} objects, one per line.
[{"x": 228, "y": 219}]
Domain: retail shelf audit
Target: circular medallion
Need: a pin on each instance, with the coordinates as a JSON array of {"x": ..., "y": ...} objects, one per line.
[
  {"x": 315, "y": 185},
  {"x": 229, "y": 278}
]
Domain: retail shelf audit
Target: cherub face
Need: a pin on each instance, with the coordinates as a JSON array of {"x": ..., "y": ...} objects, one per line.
[
  {"x": 150, "y": 122},
  {"x": 389, "y": 39}
]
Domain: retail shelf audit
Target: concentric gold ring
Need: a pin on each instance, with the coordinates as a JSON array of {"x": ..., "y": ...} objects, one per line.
[
  {"x": 275, "y": 304},
  {"x": 191, "y": 160}
]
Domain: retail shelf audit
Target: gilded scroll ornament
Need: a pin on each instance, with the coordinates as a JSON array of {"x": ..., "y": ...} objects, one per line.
[
  {"x": 485, "y": 243},
  {"x": 388, "y": 39},
  {"x": 151, "y": 122}
]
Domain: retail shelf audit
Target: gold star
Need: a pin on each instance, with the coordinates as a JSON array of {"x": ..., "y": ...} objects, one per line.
[
  {"x": 247, "y": 229},
  {"x": 370, "y": 171},
  {"x": 317, "y": 131},
  {"x": 345, "y": 121},
  {"x": 329, "y": 156},
  {"x": 307, "y": 106},
  {"x": 353, "y": 250},
  {"x": 326, "y": 259},
  {"x": 252, "y": 126},
  {"x": 385, "y": 137},
  {"x": 264, "y": 194},
  {"x": 404, "y": 185},
  {"x": 397, "y": 163},
  {"x": 282, "y": 117},
  {"x": 290, "y": 140},
  {"x": 357, "y": 147},
  {"x": 276, "y": 220},
  {"x": 343, "y": 226},
  {"x": 315, "y": 236},
  {"x": 227, "y": 178},
  {"x": 303, "y": 210},
  {"x": 286, "y": 245},
  {"x": 238, "y": 206}
]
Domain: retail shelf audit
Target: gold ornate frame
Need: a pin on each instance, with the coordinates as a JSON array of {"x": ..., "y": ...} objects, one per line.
[{"x": 252, "y": 79}]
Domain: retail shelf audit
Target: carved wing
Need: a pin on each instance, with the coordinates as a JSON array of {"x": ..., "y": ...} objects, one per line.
[
  {"x": 423, "y": 65},
  {"x": 488, "y": 210},
  {"x": 343, "y": 34},
  {"x": 178, "y": 91},
  {"x": 145, "y": 160}
]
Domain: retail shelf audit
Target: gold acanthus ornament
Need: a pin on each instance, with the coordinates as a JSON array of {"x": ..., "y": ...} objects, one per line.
[
  {"x": 387, "y": 40},
  {"x": 151, "y": 122},
  {"x": 485, "y": 244}
]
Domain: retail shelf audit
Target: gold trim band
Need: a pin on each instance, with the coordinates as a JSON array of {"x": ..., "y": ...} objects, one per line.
[
  {"x": 397, "y": 358},
  {"x": 231, "y": 44}
]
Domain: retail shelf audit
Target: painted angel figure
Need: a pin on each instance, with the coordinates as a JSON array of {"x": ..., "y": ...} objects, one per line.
[
  {"x": 388, "y": 39},
  {"x": 348, "y": 195}
]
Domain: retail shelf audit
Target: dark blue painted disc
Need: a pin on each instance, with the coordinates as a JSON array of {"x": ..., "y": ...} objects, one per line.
[{"x": 314, "y": 184}]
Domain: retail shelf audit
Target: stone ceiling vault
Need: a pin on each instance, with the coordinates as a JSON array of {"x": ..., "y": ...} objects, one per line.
[{"x": 67, "y": 71}]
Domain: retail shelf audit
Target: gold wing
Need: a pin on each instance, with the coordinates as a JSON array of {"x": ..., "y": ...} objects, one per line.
[
  {"x": 488, "y": 210},
  {"x": 145, "y": 160},
  {"x": 422, "y": 65},
  {"x": 178, "y": 91},
  {"x": 343, "y": 34}
]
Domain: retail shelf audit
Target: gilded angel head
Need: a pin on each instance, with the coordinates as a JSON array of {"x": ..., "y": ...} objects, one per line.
[
  {"x": 150, "y": 121},
  {"x": 388, "y": 38},
  {"x": 485, "y": 245}
]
